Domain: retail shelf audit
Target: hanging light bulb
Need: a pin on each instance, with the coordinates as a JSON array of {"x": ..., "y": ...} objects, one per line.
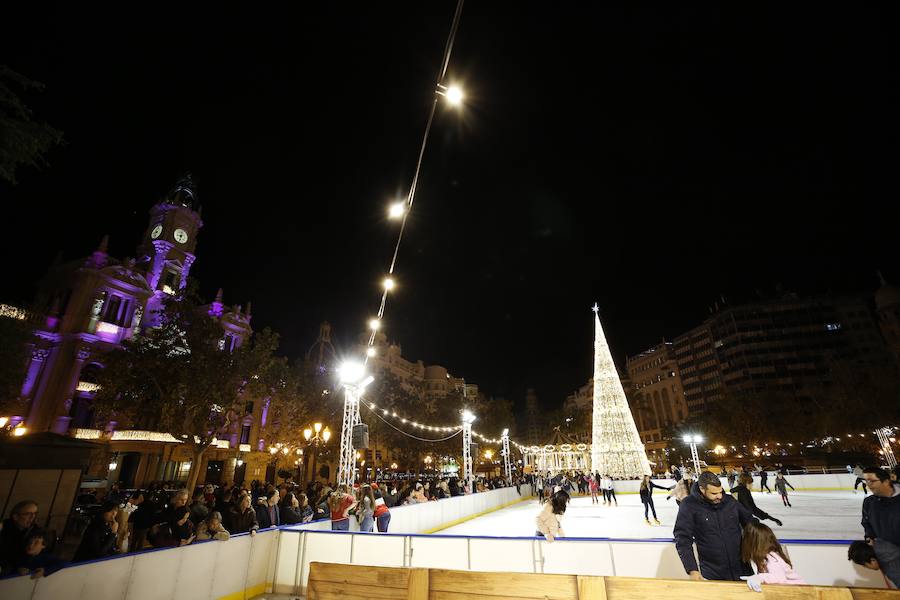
[
  {"x": 454, "y": 95},
  {"x": 370, "y": 352},
  {"x": 374, "y": 324},
  {"x": 389, "y": 284},
  {"x": 396, "y": 210}
]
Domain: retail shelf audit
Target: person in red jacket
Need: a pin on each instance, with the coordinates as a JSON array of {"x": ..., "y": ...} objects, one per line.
[{"x": 382, "y": 513}]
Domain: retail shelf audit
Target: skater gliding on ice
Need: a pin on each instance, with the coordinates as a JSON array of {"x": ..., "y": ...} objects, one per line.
[
  {"x": 647, "y": 497},
  {"x": 781, "y": 485},
  {"x": 742, "y": 494}
]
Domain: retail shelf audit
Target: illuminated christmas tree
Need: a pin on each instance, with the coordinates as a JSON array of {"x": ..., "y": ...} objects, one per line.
[{"x": 616, "y": 447}]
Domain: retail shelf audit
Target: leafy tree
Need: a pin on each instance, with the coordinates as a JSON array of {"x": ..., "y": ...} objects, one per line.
[
  {"x": 15, "y": 348},
  {"x": 23, "y": 141},
  {"x": 175, "y": 378}
]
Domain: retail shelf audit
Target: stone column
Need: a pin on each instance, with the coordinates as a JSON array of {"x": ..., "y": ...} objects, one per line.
[{"x": 228, "y": 468}]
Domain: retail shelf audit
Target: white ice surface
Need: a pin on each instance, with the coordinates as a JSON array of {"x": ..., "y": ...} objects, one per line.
[{"x": 829, "y": 515}]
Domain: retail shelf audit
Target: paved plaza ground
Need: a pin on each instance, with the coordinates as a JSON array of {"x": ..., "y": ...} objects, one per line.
[{"x": 826, "y": 515}]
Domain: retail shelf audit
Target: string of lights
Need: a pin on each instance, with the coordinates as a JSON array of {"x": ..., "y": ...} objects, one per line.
[
  {"x": 401, "y": 210},
  {"x": 405, "y": 420},
  {"x": 375, "y": 410}
]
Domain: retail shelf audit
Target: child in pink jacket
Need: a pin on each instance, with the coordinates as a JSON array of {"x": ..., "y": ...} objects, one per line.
[{"x": 760, "y": 546}]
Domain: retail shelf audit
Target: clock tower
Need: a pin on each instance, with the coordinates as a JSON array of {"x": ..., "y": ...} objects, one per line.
[{"x": 170, "y": 240}]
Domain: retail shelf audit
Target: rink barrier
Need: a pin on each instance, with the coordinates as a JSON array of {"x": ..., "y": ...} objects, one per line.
[
  {"x": 278, "y": 560},
  {"x": 819, "y": 562}
]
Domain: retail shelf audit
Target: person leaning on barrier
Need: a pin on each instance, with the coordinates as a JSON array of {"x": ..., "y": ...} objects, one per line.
[
  {"x": 881, "y": 509},
  {"x": 547, "y": 521},
  {"x": 211, "y": 528},
  {"x": 243, "y": 517},
  {"x": 878, "y": 555},
  {"x": 13, "y": 532},
  {"x": 714, "y": 522},
  {"x": 36, "y": 560},
  {"x": 99, "y": 539}
]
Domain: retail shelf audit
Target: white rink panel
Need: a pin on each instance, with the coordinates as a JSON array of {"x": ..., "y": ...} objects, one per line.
[
  {"x": 67, "y": 583},
  {"x": 21, "y": 588},
  {"x": 439, "y": 552},
  {"x": 198, "y": 563},
  {"x": 495, "y": 554},
  {"x": 154, "y": 575},
  {"x": 827, "y": 564},
  {"x": 647, "y": 559},
  {"x": 231, "y": 566},
  {"x": 289, "y": 544},
  {"x": 571, "y": 557},
  {"x": 378, "y": 550},
  {"x": 324, "y": 547},
  {"x": 262, "y": 553}
]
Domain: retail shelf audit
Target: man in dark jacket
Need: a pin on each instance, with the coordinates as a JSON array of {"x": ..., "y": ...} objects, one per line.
[
  {"x": 99, "y": 538},
  {"x": 881, "y": 509},
  {"x": 714, "y": 522},
  {"x": 13, "y": 532}
]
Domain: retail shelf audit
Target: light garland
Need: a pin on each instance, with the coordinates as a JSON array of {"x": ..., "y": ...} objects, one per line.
[
  {"x": 407, "y": 421},
  {"x": 401, "y": 209}
]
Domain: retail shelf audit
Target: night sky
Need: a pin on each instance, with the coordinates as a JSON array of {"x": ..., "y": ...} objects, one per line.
[{"x": 647, "y": 159}]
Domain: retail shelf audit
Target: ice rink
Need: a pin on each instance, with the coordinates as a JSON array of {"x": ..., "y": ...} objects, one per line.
[{"x": 829, "y": 515}]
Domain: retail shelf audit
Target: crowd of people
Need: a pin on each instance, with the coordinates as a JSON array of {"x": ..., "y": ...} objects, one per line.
[{"x": 158, "y": 517}]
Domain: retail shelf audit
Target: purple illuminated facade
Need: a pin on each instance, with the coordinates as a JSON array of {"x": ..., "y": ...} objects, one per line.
[{"x": 94, "y": 304}]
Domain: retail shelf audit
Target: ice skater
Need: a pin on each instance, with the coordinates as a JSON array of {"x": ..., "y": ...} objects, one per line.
[
  {"x": 858, "y": 472},
  {"x": 647, "y": 498},
  {"x": 741, "y": 493},
  {"x": 594, "y": 484},
  {"x": 763, "y": 481},
  {"x": 610, "y": 491},
  {"x": 781, "y": 485}
]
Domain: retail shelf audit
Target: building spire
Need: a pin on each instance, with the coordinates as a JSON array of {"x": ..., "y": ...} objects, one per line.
[{"x": 99, "y": 258}]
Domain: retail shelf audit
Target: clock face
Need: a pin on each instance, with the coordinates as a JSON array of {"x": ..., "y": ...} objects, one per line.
[
  {"x": 156, "y": 232},
  {"x": 180, "y": 236}
]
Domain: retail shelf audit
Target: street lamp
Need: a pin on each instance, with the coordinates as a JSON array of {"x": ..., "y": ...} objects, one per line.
[
  {"x": 354, "y": 379},
  {"x": 315, "y": 435},
  {"x": 693, "y": 440},
  {"x": 467, "y": 419}
]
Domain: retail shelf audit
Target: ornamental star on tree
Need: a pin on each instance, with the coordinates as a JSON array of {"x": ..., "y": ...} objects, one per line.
[{"x": 176, "y": 379}]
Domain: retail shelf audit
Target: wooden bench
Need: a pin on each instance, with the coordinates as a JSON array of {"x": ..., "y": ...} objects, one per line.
[{"x": 354, "y": 582}]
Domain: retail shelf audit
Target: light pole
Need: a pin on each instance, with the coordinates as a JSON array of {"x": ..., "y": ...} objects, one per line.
[
  {"x": 315, "y": 435},
  {"x": 884, "y": 438},
  {"x": 353, "y": 378},
  {"x": 693, "y": 440},
  {"x": 504, "y": 438},
  {"x": 467, "y": 419}
]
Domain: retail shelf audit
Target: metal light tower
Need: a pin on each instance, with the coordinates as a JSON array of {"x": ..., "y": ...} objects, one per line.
[
  {"x": 504, "y": 438},
  {"x": 693, "y": 440},
  {"x": 353, "y": 378},
  {"x": 467, "y": 419},
  {"x": 884, "y": 435}
]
